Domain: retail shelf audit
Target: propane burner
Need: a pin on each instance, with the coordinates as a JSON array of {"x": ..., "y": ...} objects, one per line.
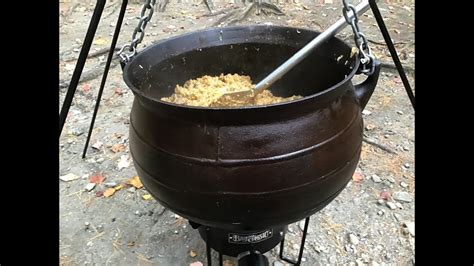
[{"x": 247, "y": 246}]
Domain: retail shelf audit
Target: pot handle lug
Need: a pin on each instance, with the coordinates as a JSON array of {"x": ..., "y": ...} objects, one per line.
[
  {"x": 122, "y": 64},
  {"x": 365, "y": 89}
]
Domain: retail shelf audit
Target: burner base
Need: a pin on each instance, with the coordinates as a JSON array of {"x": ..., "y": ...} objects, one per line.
[
  {"x": 248, "y": 246},
  {"x": 232, "y": 243}
]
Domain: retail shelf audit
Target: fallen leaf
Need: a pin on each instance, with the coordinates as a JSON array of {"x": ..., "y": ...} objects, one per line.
[
  {"x": 169, "y": 28},
  {"x": 119, "y": 187},
  {"x": 118, "y": 91},
  {"x": 99, "y": 193},
  {"x": 375, "y": 54},
  {"x": 146, "y": 197},
  {"x": 410, "y": 227},
  {"x": 100, "y": 41},
  {"x": 123, "y": 162},
  {"x": 109, "y": 192},
  {"x": 305, "y": 7},
  {"x": 90, "y": 186},
  {"x": 64, "y": 8},
  {"x": 135, "y": 181},
  {"x": 196, "y": 263},
  {"x": 97, "y": 179},
  {"x": 111, "y": 184},
  {"x": 192, "y": 254},
  {"x": 370, "y": 127},
  {"x": 86, "y": 88},
  {"x": 131, "y": 243},
  {"x": 357, "y": 177},
  {"x": 117, "y": 148},
  {"x": 97, "y": 145},
  {"x": 385, "y": 195},
  {"x": 69, "y": 177}
]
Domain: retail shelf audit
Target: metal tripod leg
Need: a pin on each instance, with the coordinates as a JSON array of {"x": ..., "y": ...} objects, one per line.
[
  {"x": 99, "y": 8},
  {"x": 300, "y": 254},
  {"x": 106, "y": 71},
  {"x": 393, "y": 52},
  {"x": 208, "y": 247}
]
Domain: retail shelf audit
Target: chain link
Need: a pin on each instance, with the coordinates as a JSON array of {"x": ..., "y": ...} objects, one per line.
[
  {"x": 129, "y": 50},
  {"x": 365, "y": 54}
]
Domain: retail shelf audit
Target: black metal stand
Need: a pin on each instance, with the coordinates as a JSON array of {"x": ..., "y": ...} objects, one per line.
[
  {"x": 393, "y": 51},
  {"x": 106, "y": 71},
  {"x": 208, "y": 250},
  {"x": 99, "y": 8},
  {"x": 91, "y": 33},
  {"x": 82, "y": 60},
  {"x": 303, "y": 240}
]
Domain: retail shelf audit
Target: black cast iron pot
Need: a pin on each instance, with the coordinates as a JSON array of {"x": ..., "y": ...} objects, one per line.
[{"x": 253, "y": 167}]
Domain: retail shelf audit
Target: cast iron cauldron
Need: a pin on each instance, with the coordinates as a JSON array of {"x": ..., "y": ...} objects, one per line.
[{"x": 252, "y": 167}]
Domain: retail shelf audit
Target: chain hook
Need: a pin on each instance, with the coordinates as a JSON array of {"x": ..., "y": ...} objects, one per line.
[
  {"x": 365, "y": 53},
  {"x": 144, "y": 18}
]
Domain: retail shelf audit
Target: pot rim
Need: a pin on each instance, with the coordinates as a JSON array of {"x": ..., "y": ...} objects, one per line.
[{"x": 319, "y": 94}]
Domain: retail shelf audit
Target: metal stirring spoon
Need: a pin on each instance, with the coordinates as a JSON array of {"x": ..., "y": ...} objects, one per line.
[{"x": 299, "y": 56}]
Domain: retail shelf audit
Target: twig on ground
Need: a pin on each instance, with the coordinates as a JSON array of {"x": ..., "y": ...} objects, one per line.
[{"x": 380, "y": 146}]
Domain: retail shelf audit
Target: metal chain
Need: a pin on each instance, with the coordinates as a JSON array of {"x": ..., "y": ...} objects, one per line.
[
  {"x": 145, "y": 16},
  {"x": 365, "y": 54}
]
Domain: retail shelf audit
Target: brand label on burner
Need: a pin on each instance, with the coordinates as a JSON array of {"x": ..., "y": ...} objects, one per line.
[{"x": 250, "y": 238}]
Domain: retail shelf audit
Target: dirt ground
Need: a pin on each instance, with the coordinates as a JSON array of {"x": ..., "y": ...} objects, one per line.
[{"x": 357, "y": 228}]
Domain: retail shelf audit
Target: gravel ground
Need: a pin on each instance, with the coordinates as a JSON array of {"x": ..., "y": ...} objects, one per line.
[{"x": 371, "y": 222}]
